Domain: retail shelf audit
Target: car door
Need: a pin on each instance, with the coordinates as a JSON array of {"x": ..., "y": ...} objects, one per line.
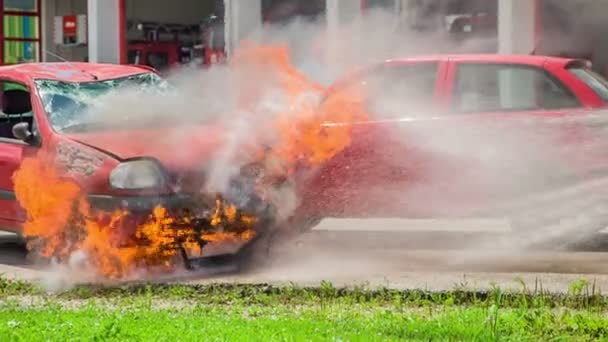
[
  {"x": 16, "y": 107},
  {"x": 363, "y": 178},
  {"x": 524, "y": 129}
]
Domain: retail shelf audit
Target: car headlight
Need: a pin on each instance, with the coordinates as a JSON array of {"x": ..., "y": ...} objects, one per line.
[{"x": 137, "y": 174}]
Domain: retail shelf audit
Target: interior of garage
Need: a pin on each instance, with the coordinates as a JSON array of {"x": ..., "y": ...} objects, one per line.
[
  {"x": 279, "y": 12},
  {"x": 575, "y": 28},
  {"x": 161, "y": 34},
  {"x": 73, "y": 45}
]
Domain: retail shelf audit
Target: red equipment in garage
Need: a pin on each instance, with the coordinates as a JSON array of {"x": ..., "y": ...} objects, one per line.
[
  {"x": 202, "y": 45},
  {"x": 159, "y": 55},
  {"x": 213, "y": 42}
]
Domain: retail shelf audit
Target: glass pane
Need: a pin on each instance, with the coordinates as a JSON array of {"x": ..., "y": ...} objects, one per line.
[
  {"x": 13, "y": 86},
  {"x": 383, "y": 4},
  {"x": 18, "y": 26},
  {"x": 21, "y": 5},
  {"x": 20, "y": 52}
]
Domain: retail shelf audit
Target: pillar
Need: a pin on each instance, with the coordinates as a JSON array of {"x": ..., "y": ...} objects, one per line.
[
  {"x": 243, "y": 19},
  {"x": 518, "y": 22},
  {"x": 106, "y": 32},
  {"x": 339, "y": 12}
]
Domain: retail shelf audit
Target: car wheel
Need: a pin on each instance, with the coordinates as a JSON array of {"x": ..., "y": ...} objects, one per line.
[
  {"x": 258, "y": 252},
  {"x": 255, "y": 254}
]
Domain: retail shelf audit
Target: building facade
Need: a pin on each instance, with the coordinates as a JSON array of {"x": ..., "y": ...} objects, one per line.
[
  {"x": 20, "y": 32},
  {"x": 103, "y": 30}
]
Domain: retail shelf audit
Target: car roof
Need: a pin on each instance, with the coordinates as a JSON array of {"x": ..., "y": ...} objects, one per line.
[
  {"x": 536, "y": 60},
  {"x": 70, "y": 71},
  {"x": 533, "y": 60}
]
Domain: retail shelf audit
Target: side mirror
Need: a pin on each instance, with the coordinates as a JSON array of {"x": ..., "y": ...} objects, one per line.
[{"x": 22, "y": 132}]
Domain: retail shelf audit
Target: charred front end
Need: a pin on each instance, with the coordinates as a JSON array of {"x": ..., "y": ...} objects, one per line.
[
  {"x": 190, "y": 219},
  {"x": 151, "y": 219}
]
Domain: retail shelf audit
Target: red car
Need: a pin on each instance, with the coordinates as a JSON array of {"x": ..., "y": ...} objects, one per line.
[
  {"x": 41, "y": 104},
  {"x": 451, "y": 135}
]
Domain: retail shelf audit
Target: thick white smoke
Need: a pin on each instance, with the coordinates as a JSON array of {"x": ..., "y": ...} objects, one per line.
[{"x": 514, "y": 165}]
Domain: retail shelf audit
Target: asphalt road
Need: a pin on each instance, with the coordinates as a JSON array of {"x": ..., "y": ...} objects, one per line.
[{"x": 434, "y": 254}]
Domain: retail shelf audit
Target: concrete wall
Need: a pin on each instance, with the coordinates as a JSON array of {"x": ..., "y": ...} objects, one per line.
[
  {"x": 516, "y": 26},
  {"x": 104, "y": 27},
  {"x": 50, "y": 9},
  {"x": 348, "y": 10},
  {"x": 174, "y": 11},
  {"x": 243, "y": 19}
]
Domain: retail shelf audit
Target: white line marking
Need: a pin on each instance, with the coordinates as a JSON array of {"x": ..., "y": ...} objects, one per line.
[{"x": 419, "y": 225}]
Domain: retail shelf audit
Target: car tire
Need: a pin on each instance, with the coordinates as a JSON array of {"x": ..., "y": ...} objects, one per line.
[{"x": 258, "y": 252}]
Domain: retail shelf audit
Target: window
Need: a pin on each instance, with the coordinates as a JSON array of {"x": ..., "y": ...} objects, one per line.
[
  {"x": 282, "y": 11},
  {"x": 506, "y": 87},
  {"x": 381, "y": 4},
  {"x": 21, "y": 31},
  {"x": 21, "y": 5},
  {"x": 71, "y": 106},
  {"x": 592, "y": 79},
  {"x": 392, "y": 92},
  {"x": 16, "y": 107},
  {"x": 402, "y": 91}
]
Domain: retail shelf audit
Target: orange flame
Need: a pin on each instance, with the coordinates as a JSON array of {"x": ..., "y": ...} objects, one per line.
[
  {"x": 61, "y": 222},
  {"x": 303, "y": 139}
]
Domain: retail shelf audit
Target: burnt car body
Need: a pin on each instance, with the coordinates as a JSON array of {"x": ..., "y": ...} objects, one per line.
[{"x": 132, "y": 167}]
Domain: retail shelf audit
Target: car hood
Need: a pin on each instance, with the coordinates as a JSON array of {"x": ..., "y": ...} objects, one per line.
[{"x": 181, "y": 147}]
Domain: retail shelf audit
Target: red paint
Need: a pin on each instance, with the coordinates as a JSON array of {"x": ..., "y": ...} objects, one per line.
[
  {"x": 70, "y": 25},
  {"x": 364, "y": 5},
  {"x": 40, "y": 41},
  {"x": 122, "y": 31},
  {"x": 146, "y": 49},
  {"x": 2, "y": 32},
  {"x": 73, "y": 71}
]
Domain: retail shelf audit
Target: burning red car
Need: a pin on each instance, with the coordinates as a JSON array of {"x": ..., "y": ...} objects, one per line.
[
  {"x": 107, "y": 175},
  {"x": 61, "y": 170}
]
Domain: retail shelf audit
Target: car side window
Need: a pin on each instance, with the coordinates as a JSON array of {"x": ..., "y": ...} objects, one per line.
[
  {"x": 16, "y": 107},
  {"x": 508, "y": 87},
  {"x": 391, "y": 91},
  {"x": 402, "y": 90}
]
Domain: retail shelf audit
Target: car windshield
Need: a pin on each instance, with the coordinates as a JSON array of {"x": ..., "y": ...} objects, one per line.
[{"x": 67, "y": 103}]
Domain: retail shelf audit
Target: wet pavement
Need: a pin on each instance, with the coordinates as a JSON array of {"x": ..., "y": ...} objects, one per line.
[{"x": 437, "y": 255}]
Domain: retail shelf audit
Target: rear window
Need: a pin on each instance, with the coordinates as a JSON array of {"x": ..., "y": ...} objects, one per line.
[
  {"x": 595, "y": 81},
  {"x": 495, "y": 87}
]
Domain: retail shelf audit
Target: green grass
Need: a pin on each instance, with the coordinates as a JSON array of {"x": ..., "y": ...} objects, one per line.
[{"x": 227, "y": 312}]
